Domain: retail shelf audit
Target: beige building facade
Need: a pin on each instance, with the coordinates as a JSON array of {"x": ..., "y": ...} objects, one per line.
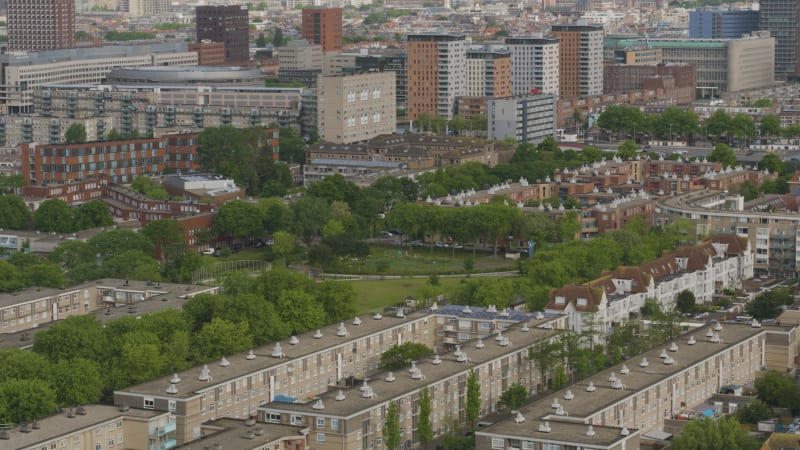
[{"x": 355, "y": 108}]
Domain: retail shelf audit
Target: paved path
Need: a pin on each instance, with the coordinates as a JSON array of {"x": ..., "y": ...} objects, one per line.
[{"x": 349, "y": 277}]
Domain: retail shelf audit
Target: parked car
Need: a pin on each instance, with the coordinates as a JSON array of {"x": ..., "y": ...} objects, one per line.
[
  {"x": 259, "y": 243},
  {"x": 208, "y": 251},
  {"x": 385, "y": 234},
  {"x": 395, "y": 231},
  {"x": 457, "y": 245},
  {"x": 417, "y": 243},
  {"x": 441, "y": 245},
  {"x": 217, "y": 252}
]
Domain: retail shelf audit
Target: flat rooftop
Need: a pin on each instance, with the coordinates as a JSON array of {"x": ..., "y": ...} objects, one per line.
[
  {"x": 559, "y": 431},
  {"x": 235, "y": 434},
  {"x": 354, "y": 403},
  {"x": 586, "y": 404},
  {"x": 56, "y": 426},
  {"x": 307, "y": 345}
]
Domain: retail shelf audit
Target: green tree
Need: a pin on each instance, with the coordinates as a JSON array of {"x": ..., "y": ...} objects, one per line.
[
  {"x": 515, "y": 396},
  {"x": 283, "y": 245},
  {"x": 239, "y": 219},
  {"x": 300, "y": 310},
  {"x": 310, "y": 215},
  {"x": 275, "y": 213},
  {"x": 25, "y": 400},
  {"x": 337, "y": 299},
  {"x": 778, "y": 389},
  {"x": 473, "y": 407},
  {"x": 113, "y": 242},
  {"x": 771, "y": 162},
  {"x": 719, "y": 124},
  {"x": 546, "y": 355},
  {"x": 221, "y": 337},
  {"x": 714, "y": 434},
  {"x": 763, "y": 103},
  {"x": 75, "y": 134},
  {"x": 686, "y": 302},
  {"x": 277, "y": 37},
  {"x": 53, "y": 215},
  {"x": 399, "y": 356},
  {"x": 424, "y": 423},
  {"x": 91, "y": 215},
  {"x": 391, "y": 427},
  {"x": 770, "y": 126},
  {"x": 10, "y": 277},
  {"x": 77, "y": 381},
  {"x": 261, "y": 41},
  {"x": 769, "y": 304},
  {"x": 292, "y": 146},
  {"x": 14, "y": 213},
  {"x": 18, "y": 364},
  {"x": 75, "y": 337},
  {"x": 167, "y": 239},
  {"x": 754, "y": 412},
  {"x": 628, "y": 150},
  {"x": 724, "y": 154}
]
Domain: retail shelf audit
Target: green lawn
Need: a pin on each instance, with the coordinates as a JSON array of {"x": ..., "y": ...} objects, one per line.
[
  {"x": 373, "y": 295},
  {"x": 418, "y": 261}
]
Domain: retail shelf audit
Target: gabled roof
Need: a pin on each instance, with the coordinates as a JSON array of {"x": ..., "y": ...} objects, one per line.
[
  {"x": 571, "y": 294},
  {"x": 737, "y": 245},
  {"x": 661, "y": 268},
  {"x": 697, "y": 255}
]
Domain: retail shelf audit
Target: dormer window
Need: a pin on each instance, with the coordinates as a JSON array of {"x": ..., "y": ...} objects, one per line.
[
  {"x": 560, "y": 300},
  {"x": 582, "y": 302}
]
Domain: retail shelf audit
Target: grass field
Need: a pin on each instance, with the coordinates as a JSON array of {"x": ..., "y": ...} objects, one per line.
[
  {"x": 373, "y": 295},
  {"x": 397, "y": 261}
]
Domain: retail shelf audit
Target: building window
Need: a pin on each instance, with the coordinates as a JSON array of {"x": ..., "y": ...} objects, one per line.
[
  {"x": 582, "y": 302},
  {"x": 551, "y": 447},
  {"x": 149, "y": 403},
  {"x": 273, "y": 418},
  {"x": 498, "y": 443},
  {"x": 320, "y": 422},
  {"x": 172, "y": 405},
  {"x": 320, "y": 437},
  {"x": 296, "y": 420},
  {"x": 334, "y": 424}
]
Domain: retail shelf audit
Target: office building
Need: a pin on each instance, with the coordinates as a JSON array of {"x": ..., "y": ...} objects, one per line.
[
  {"x": 148, "y": 8},
  {"x": 534, "y": 64},
  {"x": 300, "y": 61},
  {"x": 436, "y": 71},
  {"x": 185, "y": 75},
  {"x": 354, "y": 108},
  {"x": 637, "y": 56},
  {"x": 780, "y": 19},
  {"x": 120, "y": 160},
  {"x": 721, "y": 65},
  {"x": 488, "y": 71},
  {"x": 525, "y": 118},
  {"x": 23, "y": 73},
  {"x": 708, "y": 23},
  {"x": 323, "y": 26},
  {"x": 387, "y": 59},
  {"x": 209, "y": 53},
  {"x": 580, "y": 60},
  {"x": 35, "y": 25},
  {"x": 226, "y": 24},
  {"x": 678, "y": 80}
]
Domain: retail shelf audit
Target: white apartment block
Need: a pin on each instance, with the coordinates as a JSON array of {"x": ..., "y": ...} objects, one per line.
[
  {"x": 719, "y": 263},
  {"x": 355, "y": 108},
  {"x": 525, "y": 118},
  {"x": 23, "y": 72},
  {"x": 534, "y": 64},
  {"x": 148, "y": 8}
]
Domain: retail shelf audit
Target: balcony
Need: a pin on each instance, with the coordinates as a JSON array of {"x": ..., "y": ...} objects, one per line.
[
  {"x": 169, "y": 443},
  {"x": 161, "y": 431}
]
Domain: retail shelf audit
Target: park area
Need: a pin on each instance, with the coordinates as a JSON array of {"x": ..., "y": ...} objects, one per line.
[{"x": 373, "y": 295}]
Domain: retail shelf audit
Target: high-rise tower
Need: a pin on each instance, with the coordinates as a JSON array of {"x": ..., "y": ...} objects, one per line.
[{"x": 41, "y": 24}]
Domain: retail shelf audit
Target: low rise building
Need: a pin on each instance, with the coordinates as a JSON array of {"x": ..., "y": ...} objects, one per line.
[
  {"x": 16, "y": 130},
  {"x": 677, "y": 79}
]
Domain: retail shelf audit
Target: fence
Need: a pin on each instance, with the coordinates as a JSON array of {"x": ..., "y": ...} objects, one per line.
[{"x": 212, "y": 273}]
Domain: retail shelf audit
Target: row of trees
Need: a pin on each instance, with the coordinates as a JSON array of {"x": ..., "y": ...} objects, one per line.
[
  {"x": 52, "y": 215},
  {"x": 79, "y": 360}
]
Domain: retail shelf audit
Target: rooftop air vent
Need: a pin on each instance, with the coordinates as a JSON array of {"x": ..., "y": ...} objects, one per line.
[
  {"x": 224, "y": 362},
  {"x": 175, "y": 378},
  {"x": 434, "y": 306},
  {"x": 341, "y": 331},
  {"x": 691, "y": 341},
  {"x": 277, "y": 351},
  {"x": 525, "y": 327},
  {"x": 436, "y": 360},
  {"x": 466, "y": 310},
  {"x": 172, "y": 389},
  {"x": 591, "y": 387},
  {"x": 644, "y": 362},
  {"x": 250, "y": 355},
  {"x": 318, "y": 334},
  {"x": 569, "y": 395},
  {"x": 205, "y": 374},
  {"x": 480, "y": 344},
  {"x": 294, "y": 340},
  {"x": 340, "y": 396},
  {"x": 673, "y": 347},
  {"x": 624, "y": 370},
  {"x": 544, "y": 427},
  {"x": 519, "y": 418},
  {"x": 377, "y": 316},
  {"x": 390, "y": 378},
  {"x": 590, "y": 431},
  {"x": 357, "y": 321},
  {"x": 318, "y": 404}
]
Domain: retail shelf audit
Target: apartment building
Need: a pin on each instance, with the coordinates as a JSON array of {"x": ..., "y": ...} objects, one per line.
[
  {"x": 16, "y": 130},
  {"x": 363, "y": 163},
  {"x": 170, "y": 109},
  {"x": 436, "y": 70},
  {"x": 393, "y": 60},
  {"x": 355, "y": 108},
  {"x": 488, "y": 71},
  {"x": 95, "y": 427},
  {"x": 353, "y": 417},
  {"x": 534, "y": 64},
  {"x": 637, "y": 56},
  {"x": 22, "y": 73},
  {"x": 322, "y": 26},
  {"x": 120, "y": 160},
  {"x": 148, "y": 8},
  {"x": 300, "y": 61},
  {"x": 617, "y": 408},
  {"x": 718, "y": 263},
  {"x": 525, "y": 118},
  {"x": 580, "y": 60},
  {"x": 35, "y": 25},
  {"x": 772, "y": 235},
  {"x": 228, "y": 24},
  {"x": 35, "y": 307}
]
